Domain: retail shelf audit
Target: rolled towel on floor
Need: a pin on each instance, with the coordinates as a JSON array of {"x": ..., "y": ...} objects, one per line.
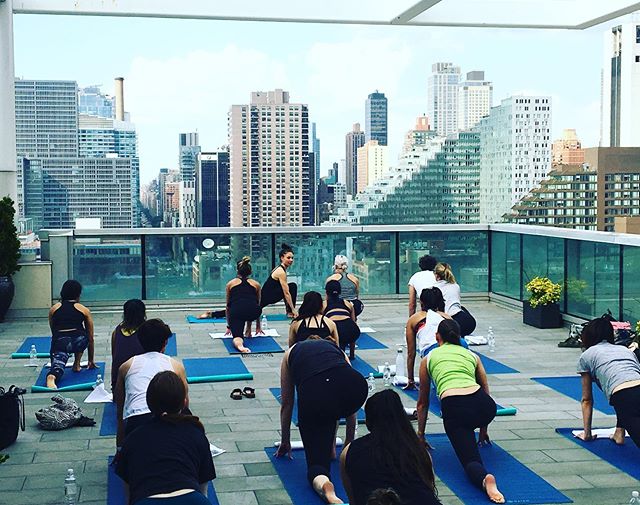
[{"x": 507, "y": 411}]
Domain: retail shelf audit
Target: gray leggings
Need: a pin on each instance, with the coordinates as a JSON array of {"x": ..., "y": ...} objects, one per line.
[{"x": 62, "y": 346}]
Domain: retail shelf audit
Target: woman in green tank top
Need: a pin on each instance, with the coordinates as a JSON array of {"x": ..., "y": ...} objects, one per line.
[{"x": 462, "y": 386}]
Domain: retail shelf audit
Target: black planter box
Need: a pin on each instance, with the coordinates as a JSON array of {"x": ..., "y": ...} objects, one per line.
[{"x": 543, "y": 316}]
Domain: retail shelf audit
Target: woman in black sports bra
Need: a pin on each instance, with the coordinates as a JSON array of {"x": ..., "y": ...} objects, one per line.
[
  {"x": 342, "y": 313},
  {"x": 311, "y": 321},
  {"x": 243, "y": 305},
  {"x": 276, "y": 287}
]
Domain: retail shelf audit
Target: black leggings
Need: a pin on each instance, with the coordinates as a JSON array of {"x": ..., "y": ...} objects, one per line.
[
  {"x": 271, "y": 296},
  {"x": 466, "y": 322},
  {"x": 462, "y": 414},
  {"x": 348, "y": 332},
  {"x": 626, "y": 403},
  {"x": 241, "y": 312},
  {"x": 322, "y": 400}
]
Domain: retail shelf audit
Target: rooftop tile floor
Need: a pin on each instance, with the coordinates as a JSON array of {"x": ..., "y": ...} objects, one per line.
[{"x": 35, "y": 472}]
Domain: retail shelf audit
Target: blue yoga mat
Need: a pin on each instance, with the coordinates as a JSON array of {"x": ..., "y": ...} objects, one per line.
[
  {"x": 517, "y": 483},
  {"x": 109, "y": 424},
  {"x": 115, "y": 488},
  {"x": 366, "y": 343},
  {"x": 257, "y": 345},
  {"x": 493, "y": 367},
  {"x": 293, "y": 474},
  {"x": 572, "y": 387},
  {"x": 434, "y": 401},
  {"x": 43, "y": 344},
  {"x": 215, "y": 369},
  {"x": 294, "y": 414},
  {"x": 172, "y": 346},
  {"x": 70, "y": 381},
  {"x": 624, "y": 457},
  {"x": 216, "y": 320},
  {"x": 364, "y": 368}
]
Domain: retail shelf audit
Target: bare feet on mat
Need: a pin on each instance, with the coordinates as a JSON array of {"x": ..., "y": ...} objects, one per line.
[
  {"x": 204, "y": 315},
  {"x": 491, "y": 488},
  {"x": 324, "y": 487},
  {"x": 76, "y": 366},
  {"x": 238, "y": 343},
  {"x": 51, "y": 382},
  {"x": 618, "y": 436}
]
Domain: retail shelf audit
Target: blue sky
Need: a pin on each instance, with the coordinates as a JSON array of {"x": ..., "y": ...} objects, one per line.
[{"x": 183, "y": 75}]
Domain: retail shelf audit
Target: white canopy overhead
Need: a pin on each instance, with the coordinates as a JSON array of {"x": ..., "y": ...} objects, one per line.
[{"x": 562, "y": 14}]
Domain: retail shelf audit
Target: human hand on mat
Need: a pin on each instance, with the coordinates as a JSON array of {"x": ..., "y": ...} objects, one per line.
[
  {"x": 91, "y": 365},
  {"x": 425, "y": 443},
  {"x": 228, "y": 332},
  {"x": 411, "y": 384},
  {"x": 284, "y": 448},
  {"x": 483, "y": 437},
  {"x": 586, "y": 438}
]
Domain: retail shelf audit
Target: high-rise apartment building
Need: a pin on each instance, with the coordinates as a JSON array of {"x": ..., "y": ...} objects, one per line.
[
  {"x": 188, "y": 150},
  {"x": 568, "y": 149},
  {"x": 92, "y": 102},
  {"x": 213, "y": 189},
  {"x": 373, "y": 163},
  {"x": 375, "y": 124},
  {"x": 418, "y": 136},
  {"x": 475, "y": 97},
  {"x": 187, "y": 207},
  {"x": 442, "y": 98},
  {"x": 620, "y": 101},
  {"x": 354, "y": 140},
  {"x": 271, "y": 171},
  {"x": 515, "y": 153}
]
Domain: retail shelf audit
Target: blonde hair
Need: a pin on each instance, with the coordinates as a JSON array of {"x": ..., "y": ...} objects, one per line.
[
  {"x": 244, "y": 266},
  {"x": 341, "y": 262},
  {"x": 443, "y": 270}
]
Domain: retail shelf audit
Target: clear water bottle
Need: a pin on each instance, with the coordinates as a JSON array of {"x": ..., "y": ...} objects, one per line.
[
  {"x": 33, "y": 356},
  {"x": 400, "y": 363},
  {"x": 386, "y": 374},
  {"x": 264, "y": 323},
  {"x": 99, "y": 381},
  {"x": 70, "y": 488},
  {"x": 371, "y": 383},
  {"x": 491, "y": 340},
  {"x": 635, "y": 497}
]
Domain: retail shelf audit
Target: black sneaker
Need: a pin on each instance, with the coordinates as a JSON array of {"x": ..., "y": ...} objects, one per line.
[{"x": 572, "y": 341}]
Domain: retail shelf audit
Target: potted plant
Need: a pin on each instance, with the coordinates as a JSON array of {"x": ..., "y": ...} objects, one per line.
[
  {"x": 9, "y": 254},
  {"x": 542, "y": 309}
]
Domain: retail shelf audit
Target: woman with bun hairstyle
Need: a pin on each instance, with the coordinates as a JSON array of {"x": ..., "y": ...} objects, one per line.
[
  {"x": 342, "y": 313},
  {"x": 124, "y": 339},
  {"x": 243, "y": 305},
  {"x": 446, "y": 282},
  {"x": 349, "y": 283},
  {"x": 277, "y": 288}
]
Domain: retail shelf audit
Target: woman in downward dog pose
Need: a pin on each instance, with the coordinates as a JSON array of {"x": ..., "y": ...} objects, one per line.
[
  {"x": 243, "y": 305},
  {"x": 276, "y": 287}
]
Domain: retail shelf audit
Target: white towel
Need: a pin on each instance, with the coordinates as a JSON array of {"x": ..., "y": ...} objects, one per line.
[
  {"x": 271, "y": 332},
  {"x": 297, "y": 444},
  {"x": 411, "y": 411},
  {"x": 69, "y": 364},
  {"x": 215, "y": 451},
  {"x": 600, "y": 433},
  {"x": 401, "y": 380},
  {"x": 99, "y": 395},
  {"x": 476, "y": 340},
  {"x": 367, "y": 329}
]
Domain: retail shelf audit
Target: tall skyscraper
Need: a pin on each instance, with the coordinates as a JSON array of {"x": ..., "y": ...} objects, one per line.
[
  {"x": 354, "y": 139},
  {"x": 442, "y": 97},
  {"x": 188, "y": 150},
  {"x": 515, "y": 153},
  {"x": 375, "y": 124},
  {"x": 373, "y": 163},
  {"x": 213, "y": 189},
  {"x": 568, "y": 149},
  {"x": 475, "y": 97},
  {"x": 271, "y": 172},
  {"x": 620, "y": 101}
]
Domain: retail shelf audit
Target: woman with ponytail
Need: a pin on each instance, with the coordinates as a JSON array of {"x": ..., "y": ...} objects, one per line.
[
  {"x": 446, "y": 282},
  {"x": 342, "y": 313},
  {"x": 349, "y": 283},
  {"x": 243, "y": 305},
  {"x": 277, "y": 288},
  {"x": 168, "y": 461}
]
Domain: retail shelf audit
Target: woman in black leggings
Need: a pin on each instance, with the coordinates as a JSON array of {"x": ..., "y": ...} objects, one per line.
[
  {"x": 328, "y": 389},
  {"x": 342, "y": 313},
  {"x": 464, "y": 397},
  {"x": 243, "y": 305},
  {"x": 277, "y": 288}
]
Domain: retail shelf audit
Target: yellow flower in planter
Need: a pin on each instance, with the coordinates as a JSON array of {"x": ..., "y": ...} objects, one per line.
[{"x": 543, "y": 291}]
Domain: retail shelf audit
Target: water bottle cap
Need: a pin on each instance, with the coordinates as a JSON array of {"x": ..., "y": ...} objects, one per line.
[
  {"x": 70, "y": 471},
  {"x": 371, "y": 375},
  {"x": 635, "y": 494}
]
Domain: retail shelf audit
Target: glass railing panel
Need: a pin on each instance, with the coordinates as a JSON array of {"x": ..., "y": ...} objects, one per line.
[
  {"x": 466, "y": 252},
  {"x": 542, "y": 257},
  {"x": 109, "y": 268},
  {"x": 199, "y": 266},
  {"x": 631, "y": 286},
  {"x": 505, "y": 264}
]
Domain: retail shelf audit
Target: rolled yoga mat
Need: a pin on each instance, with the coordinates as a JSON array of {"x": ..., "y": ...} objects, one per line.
[
  {"x": 277, "y": 393},
  {"x": 83, "y": 380},
  {"x": 572, "y": 387},
  {"x": 109, "y": 423},
  {"x": 258, "y": 345},
  {"x": 216, "y": 369},
  {"x": 517, "y": 483},
  {"x": 43, "y": 344},
  {"x": 221, "y": 320}
]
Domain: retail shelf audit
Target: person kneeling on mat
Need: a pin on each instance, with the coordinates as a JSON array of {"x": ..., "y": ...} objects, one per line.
[
  {"x": 243, "y": 305},
  {"x": 463, "y": 390}
]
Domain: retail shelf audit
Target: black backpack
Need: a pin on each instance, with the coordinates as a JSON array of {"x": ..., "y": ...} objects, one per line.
[{"x": 11, "y": 415}]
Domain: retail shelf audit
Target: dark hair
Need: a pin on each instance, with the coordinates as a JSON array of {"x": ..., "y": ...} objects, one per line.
[
  {"x": 384, "y": 497},
  {"x": 333, "y": 289},
  {"x": 71, "y": 290},
  {"x": 431, "y": 298},
  {"x": 596, "y": 331},
  {"x": 427, "y": 262},
  {"x": 396, "y": 449},
  {"x": 133, "y": 314},
  {"x": 244, "y": 267},
  {"x": 153, "y": 335},
  {"x": 311, "y": 305},
  {"x": 166, "y": 395},
  {"x": 449, "y": 331},
  {"x": 284, "y": 249}
]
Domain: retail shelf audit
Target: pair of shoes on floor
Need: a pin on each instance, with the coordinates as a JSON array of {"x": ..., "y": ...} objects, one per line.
[
  {"x": 572, "y": 341},
  {"x": 238, "y": 393}
]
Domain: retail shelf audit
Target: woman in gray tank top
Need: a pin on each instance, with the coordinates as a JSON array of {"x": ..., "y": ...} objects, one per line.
[{"x": 349, "y": 283}]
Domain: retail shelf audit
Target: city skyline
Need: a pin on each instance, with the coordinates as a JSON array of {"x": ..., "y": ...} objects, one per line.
[{"x": 165, "y": 99}]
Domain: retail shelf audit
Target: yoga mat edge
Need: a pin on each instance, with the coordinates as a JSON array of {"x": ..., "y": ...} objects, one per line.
[
  {"x": 75, "y": 387},
  {"x": 220, "y": 378},
  {"x": 25, "y": 355}
]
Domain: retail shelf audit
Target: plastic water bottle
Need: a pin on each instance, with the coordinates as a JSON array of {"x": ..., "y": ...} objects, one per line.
[
  {"x": 491, "y": 340},
  {"x": 386, "y": 374},
  {"x": 99, "y": 381},
  {"x": 635, "y": 497},
  {"x": 264, "y": 324},
  {"x": 371, "y": 383},
  {"x": 70, "y": 488},
  {"x": 400, "y": 363},
  {"x": 33, "y": 356}
]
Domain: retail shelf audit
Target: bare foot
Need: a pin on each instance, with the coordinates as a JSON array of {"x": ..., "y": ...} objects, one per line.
[
  {"x": 51, "y": 382},
  {"x": 491, "y": 488},
  {"x": 76, "y": 366},
  {"x": 204, "y": 315},
  {"x": 618, "y": 436},
  {"x": 329, "y": 493}
]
